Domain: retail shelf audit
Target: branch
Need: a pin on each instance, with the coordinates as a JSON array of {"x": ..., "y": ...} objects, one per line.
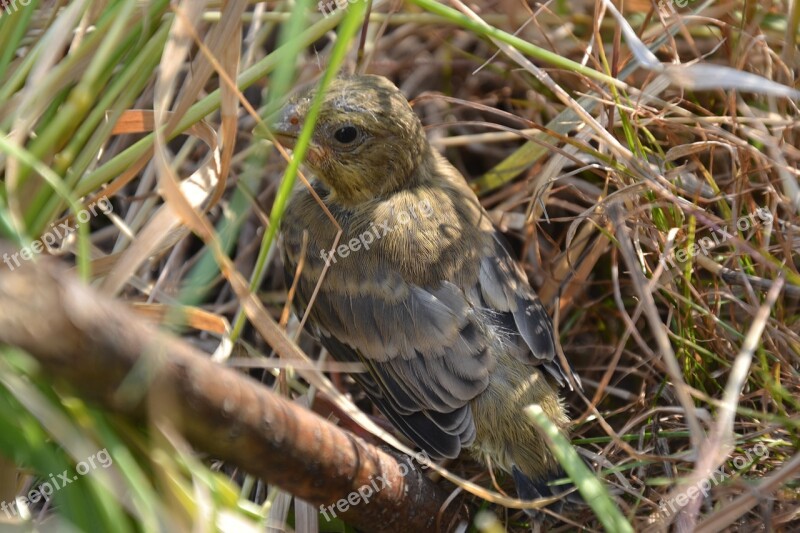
[{"x": 111, "y": 356}]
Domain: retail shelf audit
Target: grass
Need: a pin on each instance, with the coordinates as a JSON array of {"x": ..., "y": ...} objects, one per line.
[{"x": 612, "y": 148}]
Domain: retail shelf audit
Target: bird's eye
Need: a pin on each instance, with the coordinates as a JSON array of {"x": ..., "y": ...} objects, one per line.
[{"x": 346, "y": 134}]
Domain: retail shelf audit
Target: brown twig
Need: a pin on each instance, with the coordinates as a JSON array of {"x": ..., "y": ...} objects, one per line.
[{"x": 100, "y": 347}]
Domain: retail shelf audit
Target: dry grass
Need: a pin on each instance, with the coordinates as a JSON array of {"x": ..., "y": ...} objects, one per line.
[{"x": 625, "y": 201}]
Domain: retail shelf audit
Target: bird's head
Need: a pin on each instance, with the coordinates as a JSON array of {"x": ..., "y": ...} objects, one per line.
[{"x": 367, "y": 141}]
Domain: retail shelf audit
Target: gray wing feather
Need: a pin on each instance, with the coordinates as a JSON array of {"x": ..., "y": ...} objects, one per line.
[
  {"x": 428, "y": 350},
  {"x": 425, "y": 351},
  {"x": 504, "y": 289}
]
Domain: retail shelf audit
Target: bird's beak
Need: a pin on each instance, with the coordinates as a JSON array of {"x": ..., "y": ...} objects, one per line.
[{"x": 287, "y": 128}]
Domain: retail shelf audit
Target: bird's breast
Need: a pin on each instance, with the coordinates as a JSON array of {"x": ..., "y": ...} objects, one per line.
[{"x": 420, "y": 237}]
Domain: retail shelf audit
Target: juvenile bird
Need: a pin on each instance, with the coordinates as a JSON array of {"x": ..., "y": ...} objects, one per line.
[{"x": 421, "y": 289}]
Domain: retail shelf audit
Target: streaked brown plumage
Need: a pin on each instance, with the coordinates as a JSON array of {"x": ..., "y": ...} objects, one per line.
[{"x": 453, "y": 337}]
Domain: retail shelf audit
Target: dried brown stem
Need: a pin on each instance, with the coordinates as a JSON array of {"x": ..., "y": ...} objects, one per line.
[{"x": 111, "y": 356}]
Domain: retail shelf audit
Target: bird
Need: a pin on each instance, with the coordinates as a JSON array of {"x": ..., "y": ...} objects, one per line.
[{"x": 421, "y": 289}]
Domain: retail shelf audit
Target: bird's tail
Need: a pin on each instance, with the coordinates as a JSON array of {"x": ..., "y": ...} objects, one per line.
[{"x": 532, "y": 489}]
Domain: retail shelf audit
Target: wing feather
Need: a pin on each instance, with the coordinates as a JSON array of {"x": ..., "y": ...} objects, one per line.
[
  {"x": 425, "y": 351},
  {"x": 430, "y": 348},
  {"x": 505, "y": 289}
]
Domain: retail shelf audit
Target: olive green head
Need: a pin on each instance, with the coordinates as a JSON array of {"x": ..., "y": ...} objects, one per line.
[{"x": 367, "y": 141}]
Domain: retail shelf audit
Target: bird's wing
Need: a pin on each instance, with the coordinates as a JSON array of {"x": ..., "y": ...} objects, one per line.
[
  {"x": 426, "y": 352},
  {"x": 503, "y": 288}
]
